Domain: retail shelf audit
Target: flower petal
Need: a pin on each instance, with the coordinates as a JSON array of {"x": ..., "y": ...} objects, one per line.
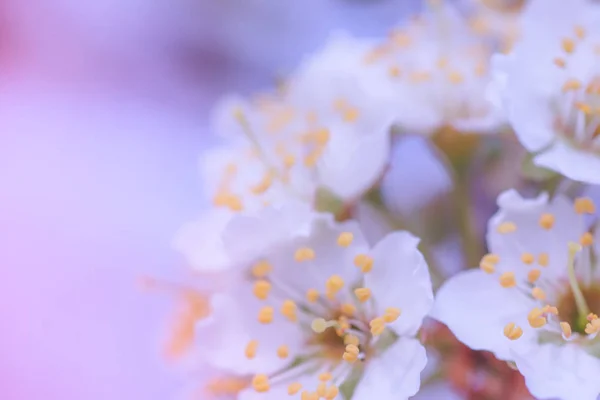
[
  {"x": 395, "y": 374},
  {"x": 565, "y": 372},
  {"x": 570, "y": 162},
  {"x": 476, "y": 309},
  {"x": 400, "y": 278}
]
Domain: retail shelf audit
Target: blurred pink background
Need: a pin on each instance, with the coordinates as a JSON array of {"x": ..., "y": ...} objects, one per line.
[{"x": 103, "y": 110}]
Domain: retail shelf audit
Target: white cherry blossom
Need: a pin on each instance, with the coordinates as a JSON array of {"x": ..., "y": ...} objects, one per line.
[
  {"x": 549, "y": 86},
  {"x": 533, "y": 299},
  {"x": 323, "y": 312}
]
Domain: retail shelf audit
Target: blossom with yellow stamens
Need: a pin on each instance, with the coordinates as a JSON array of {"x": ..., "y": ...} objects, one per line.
[
  {"x": 538, "y": 313},
  {"x": 360, "y": 323},
  {"x": 549, "y": 86}
]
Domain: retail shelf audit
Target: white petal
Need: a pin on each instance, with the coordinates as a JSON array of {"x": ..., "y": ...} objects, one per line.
[
  {"x": 395, "y": 374},
  {"x": 351, "y": 167},
  {"x": 530, "y": 236},
  {"x": 476, "y": 309},
  {"x": 201, "y": 242},
  {"x": 437, "y": 391},
  {"x": 248, "y": 236},
  {"x": 565, "y": 372},
  {"x": 400, "y": 278},
  {"x": 572, "y": 163},
  {"x": 416, "y": 176}
]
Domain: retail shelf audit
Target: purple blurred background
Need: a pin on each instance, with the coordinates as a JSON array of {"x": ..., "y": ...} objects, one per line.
[{"x": 103, "y": 114}]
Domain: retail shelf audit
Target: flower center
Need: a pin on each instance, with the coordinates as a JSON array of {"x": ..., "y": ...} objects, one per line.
[{"x": 569, "y": 311}]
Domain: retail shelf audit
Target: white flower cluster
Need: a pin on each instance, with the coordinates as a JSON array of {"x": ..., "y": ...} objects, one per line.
[{"x": 308, "y": 303}]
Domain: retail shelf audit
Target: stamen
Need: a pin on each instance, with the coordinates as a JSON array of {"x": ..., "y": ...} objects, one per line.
[
  {"x": 512, "y": 331},
  {"x": 582, "y": 306},
  {"x": 560, "y": 62},
  {"x": 543, "y": 259},
  {"x": 566, "y": 329},
  {"x": 364, "y": 262},
  {"x": 321, "y": 389},
  {"x": 536, "y": 319},
  {"x": 394, "y": 71},
  {"x": 261, "y": 269},
  {"x": 579, "y": 32},
  {"x": 362, "y": 294},
  {"x": 587, "y": 239},
  {"x": 351, "y": 339},
  {"x": 533, "y": 275},
  {"x": 325, "y": 377},
  {"x": 568, "y": 45},
  {"x": 265, "y": 315},
  {"x": 261, "y": 289},
  {"x": 571, "y": 85},
  {"x": 507, "y": 280},
  {"x": 332, "y": 392},
  {"x": 538, "y": 293},
  {"x": 251, "y": 349},
  {"x": 283, "y": 351},
  {"x": 348, "y": 309},
  {"x": 304, "y": 254},
  {"x": 488, "y": 263},
  {"x": 334, "y": 284},
  {"x": 345, "y": 239},
  {"x": 585, "y": 205},
  {"x": 294, "y": 388},
  {"x": 507, "y": 227},
  {"x": 377, "y": 326},
  {"x": 260, "y": 383},
  {"x": 312, "y": 295},
  {"x": 264, "y": 184},
  {"x": 527, "y": 258},
  {"x": 547, "y": 221},
  {"x": 391, "y": 314},
  {"x": 288, "y": 310}
]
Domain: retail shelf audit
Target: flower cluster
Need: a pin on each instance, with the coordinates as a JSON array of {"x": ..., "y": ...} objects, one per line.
[{"x": 309, "y": 283}]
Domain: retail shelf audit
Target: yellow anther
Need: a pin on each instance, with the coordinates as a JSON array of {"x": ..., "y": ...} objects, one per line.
[
  {"x": 362, "y": 294},
  {"x": 585, "y": 205},
  {"x": 260, "y": 383},
  {"x": 322, "y": 136},
  {"x": 377, "y": 326},
  {"x": 487, "y": 267},
  {"x": 538, "y": 293},
  {"x": 349, "y": 357},
  {"x": 351, "y": 339},
  {"x": 265, "y": 315},
  {"x": 264, "y": 184},
  {"x": 579, "y": 31},
  {"x": 560, "y": 62},
  {"x": 312, "y": 295},
  {"x": 593, "y": 327},
  {"x": 345, "y": 239},
  {"x": 350, "y": 114},
  {"x": 568, "y": 45},
  {"x": 512, "y": 331},
  {"x": 492, "y": 258},
  {"x": 527, "y": 258},
  {"x": 304, "y": 254},
  {"x": 536, "y": 319},
  {"x": 507, "y": 227},
  {"x": 334, "y": 284},
  {"x": 348, "y": 309},
  {"x": 313, "y": 157},
  {"x": 289, "y": 160},
  {"x": 587, "y": 239},
  {"x": 566, "y": 329},
  {"x": 455, "y": 77},
  {"x": 325, "y": 377},
  {"x": 571, "y": 84},
  {"x": 350, "y": 348},
  {"x": 543, "y": 259},
  {"x": 391, "y": 314},
  {"x": 261, "y": 289},
  {"x": 251, "y": 348},
  {"x": 342, "y": 325},
  {"x": 394, "y": 71},
  {"x": 321, "y": 389},
  {"x": 400, "y": 39},
  {"x": 288, "y": 310},
  {"x": 533, "y": 275},
  {"x": 332, "y": 392},
  {"x": 583, "y": 107},
  {"x": 261, "y": 269},
  {"x": 591, "y": 316},
  {"x": 283, "y": 351},
  {"x": 507, "y": 280},
  {"x": 547, "y": 221},
  {"x": 294, "y": 388},
  {"x": 364, "y": 262},
  {"x": 548, "y": 309}
]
